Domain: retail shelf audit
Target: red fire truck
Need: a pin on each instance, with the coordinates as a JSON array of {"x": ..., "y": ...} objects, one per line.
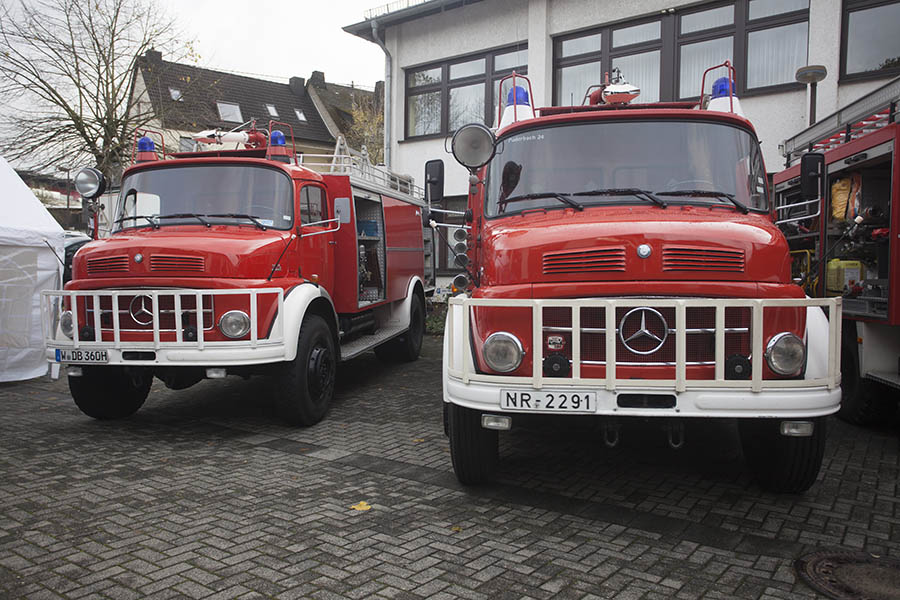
[
  {"x": 244, "y": 262},
  {"x": 845, "y": 240},
  {"x": 623, "y": 263}
]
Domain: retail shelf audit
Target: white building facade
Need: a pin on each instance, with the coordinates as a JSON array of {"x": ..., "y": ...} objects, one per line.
[{"x": 444, "y": 59}]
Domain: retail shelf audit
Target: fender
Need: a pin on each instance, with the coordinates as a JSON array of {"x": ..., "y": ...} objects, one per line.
[
  {"x": 817, "y": 343},
  {"x": 295, "y": 306},
  {"x": 400, "y": 315},
  {"x": 459, "y": 338}
]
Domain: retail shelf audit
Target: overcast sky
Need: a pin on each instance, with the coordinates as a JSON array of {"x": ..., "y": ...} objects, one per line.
[{"x": 281, "y": 39}]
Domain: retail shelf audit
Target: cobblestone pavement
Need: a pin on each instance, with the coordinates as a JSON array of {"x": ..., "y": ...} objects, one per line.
[{"x": 205, "y": 494}]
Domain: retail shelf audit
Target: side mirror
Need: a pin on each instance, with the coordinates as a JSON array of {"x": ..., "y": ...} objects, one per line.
[
  {"x": 812, "y": 174},
  {"x": 434, "y": 181}
]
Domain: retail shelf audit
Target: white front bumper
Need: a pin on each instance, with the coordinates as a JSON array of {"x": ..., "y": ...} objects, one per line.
[
  {"x": 790, "y": 403},
  {"x": 209, "y": 356}
]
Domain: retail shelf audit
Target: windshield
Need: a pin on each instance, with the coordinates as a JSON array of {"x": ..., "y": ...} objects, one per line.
[
  {"x": 207, "y": 194},
  {"x": 659, "y": 163}
]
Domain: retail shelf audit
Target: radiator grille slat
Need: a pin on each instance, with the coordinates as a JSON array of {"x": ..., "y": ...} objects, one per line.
[
  {"x": 591, "y": 260},
  {"x": 107, "y": 264},
  {"x": 161, "y": 262},
  {"x": 702, "y": 259}
]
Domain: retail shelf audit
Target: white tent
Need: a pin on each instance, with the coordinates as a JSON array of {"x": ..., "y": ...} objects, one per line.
[{"x": 27, "y": 266}]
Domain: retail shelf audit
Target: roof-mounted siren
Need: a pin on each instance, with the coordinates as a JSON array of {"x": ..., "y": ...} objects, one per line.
[
  {"x": 517, "y": 105},
  {"x": 615, "y": 91},
  {"x": 144, "y": 149},
  {"x": 278, "y": 150},
  {"x": 722, "y": 98}
]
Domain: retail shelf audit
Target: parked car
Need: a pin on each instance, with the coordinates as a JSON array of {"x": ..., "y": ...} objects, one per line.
[{"x": 74, "y": 241}]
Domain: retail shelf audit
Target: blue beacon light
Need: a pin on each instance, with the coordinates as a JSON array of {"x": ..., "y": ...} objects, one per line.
[
  {"x": 517, "y": 95},
  {"x": 277, "y": 138},
  {"x": 720, "y": 88},
  {"x": 145, "y": 144}
]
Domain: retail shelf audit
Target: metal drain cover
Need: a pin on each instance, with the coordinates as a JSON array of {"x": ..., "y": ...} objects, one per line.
[{"x": 851, "y": 575}]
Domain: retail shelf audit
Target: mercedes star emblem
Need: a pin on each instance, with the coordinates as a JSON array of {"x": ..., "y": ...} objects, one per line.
[
  {"x": 141, "y": 309},
  {"x": 646, "y": 330}
]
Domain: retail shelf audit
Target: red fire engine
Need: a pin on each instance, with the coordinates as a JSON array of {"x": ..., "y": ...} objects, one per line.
[
  {"x": 624, "y": 263},
  {"x": 845, "y": 243},
  {"x": 241, "y": 261}
]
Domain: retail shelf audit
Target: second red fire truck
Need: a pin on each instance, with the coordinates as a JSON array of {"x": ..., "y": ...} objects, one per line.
[
  {"x": 243, "y": 262},
  {"x": 623, "y": 263}
]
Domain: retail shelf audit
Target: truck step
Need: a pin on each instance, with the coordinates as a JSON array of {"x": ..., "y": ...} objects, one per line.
[
  {"x": 885, "y": 377},
  {"x": 363, "y": 343}
]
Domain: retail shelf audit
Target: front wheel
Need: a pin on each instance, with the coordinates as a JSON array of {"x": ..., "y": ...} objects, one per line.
[
  {"x": 473, "y": 449},
  {"x": 110, "y": 392},
  {"x": 782, "y": 463},
  {"x": 305, "y": 385}
]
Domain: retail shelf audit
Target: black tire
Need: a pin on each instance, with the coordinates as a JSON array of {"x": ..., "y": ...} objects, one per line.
[
  {"x": 473, "y": 449},
  {"x": 305, "y": 386},
  {"x": 863, "y": 402},
  {"x": 408, "y": 346},
  {"x": 782, "y": 463},
  {"x": 110, "y": 392}
]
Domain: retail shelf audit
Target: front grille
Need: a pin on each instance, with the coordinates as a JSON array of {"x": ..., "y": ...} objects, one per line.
[
  {"x": 591, "y": 260},
  {"x": 107, "y": 264},
  {"x": 679, "y": 258},
  {"x": 162, "y": 262},
  {"x": 700, "y": 329},
  {"x": 132, "y": 318}
]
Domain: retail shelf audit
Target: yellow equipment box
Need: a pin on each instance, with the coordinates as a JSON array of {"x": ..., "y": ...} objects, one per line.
[{"x": 839, "y": 274}]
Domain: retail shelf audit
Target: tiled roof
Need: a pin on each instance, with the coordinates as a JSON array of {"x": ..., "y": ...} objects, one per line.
[
  {"x": 339, "y": 99},
  {"x": 201, "y": 88}
]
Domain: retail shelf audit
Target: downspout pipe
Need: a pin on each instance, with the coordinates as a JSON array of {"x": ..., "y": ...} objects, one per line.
[{"x": 388, "y": 93}]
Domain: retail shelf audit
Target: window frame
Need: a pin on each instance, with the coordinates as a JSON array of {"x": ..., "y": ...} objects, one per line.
[
  {"x": 488, "y": 78},
  {"x": 304, "y": 186},
  {"x": 851, "y": 6},
  {"x": 670, "y": 43},
  {"x": 220, "y": 103}
]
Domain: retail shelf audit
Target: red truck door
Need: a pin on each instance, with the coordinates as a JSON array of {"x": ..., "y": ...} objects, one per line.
[{"x": 316, "y": 240}]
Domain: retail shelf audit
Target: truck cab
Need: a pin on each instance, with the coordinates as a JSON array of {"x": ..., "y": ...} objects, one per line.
[
  {"x": 242, "y": 261},
  {"x": 623, "y": 263}
]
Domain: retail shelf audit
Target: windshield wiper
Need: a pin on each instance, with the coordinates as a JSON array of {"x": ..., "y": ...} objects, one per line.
[
  {"x": 255, "y": 220},
  {"x": 636, "y": 192},
  {"x": 186, "y": 216},
  {"x": 564, "y": 198},
  {"x": 709, "y": 194},
  {"x": 151, "y": 220}
]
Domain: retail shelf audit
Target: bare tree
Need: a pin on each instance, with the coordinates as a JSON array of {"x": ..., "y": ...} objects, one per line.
[
  {"x": 368, "y": 126},
  {"x": 67, "y": 71}
]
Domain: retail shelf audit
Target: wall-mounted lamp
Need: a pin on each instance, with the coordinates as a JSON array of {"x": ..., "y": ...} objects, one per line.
[{"x": 811, "y": 75}]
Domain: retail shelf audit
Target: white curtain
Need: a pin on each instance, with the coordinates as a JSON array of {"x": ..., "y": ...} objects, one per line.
[
  {"x": 773, "y": 55},
  {"x": 641, "y": 70},
  {"x": 696, "y": 58}
]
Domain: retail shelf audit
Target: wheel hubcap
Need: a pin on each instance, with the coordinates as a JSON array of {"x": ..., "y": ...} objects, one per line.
[{"x": 319, "y": 370}]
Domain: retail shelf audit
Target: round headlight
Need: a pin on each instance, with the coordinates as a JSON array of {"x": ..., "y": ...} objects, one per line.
[
  {"x": 473, "y": 145},
  {"x": 786, "y": 353},
  {"x": 234, "y": 324},
  {"x": 67, "y": 324},
  {"x": 90, "y": 183},
  {"x": 503, "y": 352}
]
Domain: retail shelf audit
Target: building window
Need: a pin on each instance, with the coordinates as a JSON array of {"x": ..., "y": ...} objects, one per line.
[
  {"x": 273, "y": 112},
  {"x": 186, "y": 144},
  {"x": 870, "y": 44},
  {"x": 442, "y": 98},
  {"x": 665, "y": 56},
  {"x": 229, "y": 112},
  {"x": 176, "y": 95},
  {"x": 300, "y": 116}
]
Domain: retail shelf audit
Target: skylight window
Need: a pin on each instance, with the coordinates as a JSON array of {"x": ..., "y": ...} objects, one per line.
[
  {"x": 230, "y": 112},
  {"x": 271, "y": 109},
  {"x": 300, "y": 115},
  {"x": 176, "y": 94}
]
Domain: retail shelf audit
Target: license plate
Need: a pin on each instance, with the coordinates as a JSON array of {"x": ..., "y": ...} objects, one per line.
[
  {"x": 548, "y": 400},
  {"x": 82, "y": 356}
]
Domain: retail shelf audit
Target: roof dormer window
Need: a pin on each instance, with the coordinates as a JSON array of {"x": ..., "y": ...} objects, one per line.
[
  {"x": 230, "y": 112},
  {"x": 176, "y": 94},
  {"x": 300, "y": 115},
  {"x": 272, "y": 111}
]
